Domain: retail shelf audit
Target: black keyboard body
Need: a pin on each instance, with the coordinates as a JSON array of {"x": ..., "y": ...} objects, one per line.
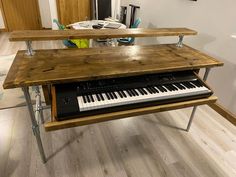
[{"x": 66, "y": 94}]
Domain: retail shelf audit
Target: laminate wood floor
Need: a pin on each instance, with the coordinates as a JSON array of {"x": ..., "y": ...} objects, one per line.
[{"x": 153, "y": 145}]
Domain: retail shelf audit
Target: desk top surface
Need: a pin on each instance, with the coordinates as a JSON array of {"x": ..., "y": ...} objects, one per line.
[{"x": 72, "y": 65}]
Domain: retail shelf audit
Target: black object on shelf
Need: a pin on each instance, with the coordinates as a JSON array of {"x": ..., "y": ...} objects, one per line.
[
  {"x": 132, "y": 15},
  {"x": 123, "y": 14},
  {"x": 104, "y": 9}
]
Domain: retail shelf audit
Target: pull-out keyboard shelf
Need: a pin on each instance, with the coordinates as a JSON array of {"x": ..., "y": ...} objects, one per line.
[{"x": 56, "y": 125}]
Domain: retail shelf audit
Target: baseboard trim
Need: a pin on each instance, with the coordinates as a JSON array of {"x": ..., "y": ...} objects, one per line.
[
  {"x": 224, "y": 112},
  {"x": 47, "y": 28},
  {"x": 3, "y": 30}
]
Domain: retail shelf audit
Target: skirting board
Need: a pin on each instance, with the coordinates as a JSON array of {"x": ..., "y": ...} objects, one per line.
[
  {"x": 224, "y": 112},
  {"x": 3, "y": 30}
]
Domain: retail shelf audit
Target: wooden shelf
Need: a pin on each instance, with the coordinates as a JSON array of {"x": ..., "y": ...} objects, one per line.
[
  {"x": 41, "y": 35},
  {"x": 67, "y": 65},
  {"x": 56, "y": 125}
]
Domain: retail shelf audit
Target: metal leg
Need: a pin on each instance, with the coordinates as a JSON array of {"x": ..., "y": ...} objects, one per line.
[
  {"x": 30, "y": 51},
  {"x": 35, "y": 126},
  {"x": 180, "y": 42},
  {"x": 39, "y": 107},
  {"x": 195, "y": 107}
]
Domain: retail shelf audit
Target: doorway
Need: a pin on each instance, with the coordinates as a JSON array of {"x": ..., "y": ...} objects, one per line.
[
  {"x": 71, "y": 11},
  {"x": 21, "y": 14}
]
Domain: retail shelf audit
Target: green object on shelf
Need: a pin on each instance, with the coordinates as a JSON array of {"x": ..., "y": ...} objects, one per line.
[
  {"x": 73, "y": 43},
  {"x": 81, "y": 43}
]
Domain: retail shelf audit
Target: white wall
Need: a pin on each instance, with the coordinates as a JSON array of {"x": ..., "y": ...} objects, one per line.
[
  {"x": 214, "y": 20},
  {"x": 115, "y": 9},
  {"x": 45, "y": 14},
  {"x": 53, "y": 11},
  {"x": 1, "y": 21}
]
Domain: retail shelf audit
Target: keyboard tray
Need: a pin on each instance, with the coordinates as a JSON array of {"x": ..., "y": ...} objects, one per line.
[{"x": 86, "y": 120}]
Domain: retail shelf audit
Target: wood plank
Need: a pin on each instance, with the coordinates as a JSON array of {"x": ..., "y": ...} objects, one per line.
[
  {"x": 224, "y": 112},
  {"x": 46, "y": 94},
  {"x": 64, "y": 65},
  {"x": 56, "y": 125},
  {"x": 40, "y": 35}
]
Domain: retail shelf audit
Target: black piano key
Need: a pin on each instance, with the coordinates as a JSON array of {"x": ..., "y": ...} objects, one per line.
[
  {"x": 124, "y": 94},
  {"x": 153, "y": 90},
  {"x": 108, "y": 96},
  {"x": 88, "y": 99},
  {"x": 144, "y": 91},
  {"x": 164, "y": 89},
  {"x": 176, "y": 88},
  {"x": 157, "y": 91},
  {"x": 192, "y": 85},
  {"x": 168, "y": 87},
  {"x": 84, "y": 99},
  {"x": 141, "y": 91},
  {"x": 196, "y": 83},
  {"x": 101, "y": 97},
  {"x": 98, "y": 97},
  {"x": 172, "y": 87},
  {"x": 179, "y": 86},
  {"x": 120, "y": 94},
  {"x": 149, "y": 90},
  {"x": 130, "y": 94},
  {"x": 134, "y": 92},
  {"x": 186, "y": 85},
  {"x": 91, "y": 98},
  {"x": 160, "y": 88},
  {"x": 114, "y": 95},
  {"x": 111, "y": 96}
]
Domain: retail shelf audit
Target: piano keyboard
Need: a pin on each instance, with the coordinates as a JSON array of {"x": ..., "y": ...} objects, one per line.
[
  {"x": 139, "y": 95},
  {"x": 108, "y": 95}
]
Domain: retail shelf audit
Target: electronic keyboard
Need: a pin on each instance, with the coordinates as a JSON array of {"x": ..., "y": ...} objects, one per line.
[{"x": 108, "y": 95}]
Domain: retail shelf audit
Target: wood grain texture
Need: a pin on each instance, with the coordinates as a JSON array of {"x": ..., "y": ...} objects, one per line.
[
  {"x": 56, "y": 125},
  {"x": 71, "y": 11},
  {"x": 37, "y": 35},
  {"x": 66, "y": 65},
  {"x": 46, "y": 94},
  {"x": 224, "y": 112}
]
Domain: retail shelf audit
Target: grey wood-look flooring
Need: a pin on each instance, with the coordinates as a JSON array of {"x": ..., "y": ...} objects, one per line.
[{"x": 145, "y": 146}]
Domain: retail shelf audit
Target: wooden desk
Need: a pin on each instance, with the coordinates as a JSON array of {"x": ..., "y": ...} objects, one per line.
[{"x": 48, "y": 67}]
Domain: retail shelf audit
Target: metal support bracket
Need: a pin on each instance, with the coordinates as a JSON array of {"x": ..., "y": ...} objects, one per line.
[
  {"x": 39, "y": 106},
  {"x": 180, "y": 42},
  {"x": 195, "y": 107},
  {"x": 30, "y": 51},
  {"x": 35, "y": 129}
]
